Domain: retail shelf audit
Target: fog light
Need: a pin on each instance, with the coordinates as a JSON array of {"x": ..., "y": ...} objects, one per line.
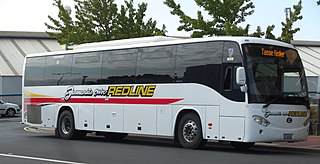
[
  {"x": 261, "y": 121},
  {"x": 307, "y": 122}
]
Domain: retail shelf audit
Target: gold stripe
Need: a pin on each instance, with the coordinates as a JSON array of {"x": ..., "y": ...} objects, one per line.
[{"x": 31, "y": 94}]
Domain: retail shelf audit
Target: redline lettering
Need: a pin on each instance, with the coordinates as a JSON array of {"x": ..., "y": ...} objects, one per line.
[
  {"x": 131, "y": 91},
  {"x": 112, "y": 91}
]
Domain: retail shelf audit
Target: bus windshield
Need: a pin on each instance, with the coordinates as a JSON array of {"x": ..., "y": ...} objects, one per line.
[{"x": 275, "y": 75}]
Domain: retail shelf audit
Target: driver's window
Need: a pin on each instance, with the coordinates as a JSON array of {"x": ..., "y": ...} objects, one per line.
[{"x": 291, "y": 82}]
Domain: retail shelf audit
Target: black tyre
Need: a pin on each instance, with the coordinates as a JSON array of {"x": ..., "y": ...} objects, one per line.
[
  {"x": 56, "y": 133},
  {"x": 190, "y": 132},
  {"x": 66, "y": 127},
  {"x": 10, "y": 112},
  {"x": 242, "y": 145}
]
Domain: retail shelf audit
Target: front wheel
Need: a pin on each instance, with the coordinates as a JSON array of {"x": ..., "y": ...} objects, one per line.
[
  {"x": 66, "y": 127},
  {"x": 10, "y": 112},
  {"x": 190, "y": 131}
]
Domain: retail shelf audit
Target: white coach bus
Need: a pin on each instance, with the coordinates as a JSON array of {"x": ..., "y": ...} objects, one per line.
[{"x": 240, "y": 90}]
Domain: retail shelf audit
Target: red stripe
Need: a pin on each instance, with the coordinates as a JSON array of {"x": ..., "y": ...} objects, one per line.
[{"x": 106, "y": 101}]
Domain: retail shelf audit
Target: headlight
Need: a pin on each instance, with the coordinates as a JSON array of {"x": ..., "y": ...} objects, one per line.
[{"x": 261, "y": 121}]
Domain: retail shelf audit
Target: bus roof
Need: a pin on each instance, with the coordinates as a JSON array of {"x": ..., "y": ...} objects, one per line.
[
  {"x": 158, "y": 41},
  {"x": 132, "y": 41}
]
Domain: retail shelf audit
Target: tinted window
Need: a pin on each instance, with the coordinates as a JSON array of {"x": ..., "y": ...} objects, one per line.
[
  {"x": 227, "y": 81},
  {"x": 58, "y": 70},
  {"x": 34, "y": 73},
  {"x": 119, "y": 66},
  {"x": 274, "y": 73},
  {"x": 156, "y": 65},
  {"x": 231, "y": 53},
  {"x": 199, "y": 63},
  {"x": 86, "y": 68},
  {"x": 232, "y": 59}
]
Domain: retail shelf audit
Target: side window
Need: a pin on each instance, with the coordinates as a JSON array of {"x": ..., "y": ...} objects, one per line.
[
  {"x": 86, "y": 68},
  {"x": 231, "y": 59},
  {"x": 58, "y": 70},
  {"x": 227, "y": 80},
  {"x": 231, "y": 53},
  {"x": 199, "y": 63},
  {"x": 119, "y": 67},
  {"x": 156, "y": 65},
  {"x": 34, "y": 73}
]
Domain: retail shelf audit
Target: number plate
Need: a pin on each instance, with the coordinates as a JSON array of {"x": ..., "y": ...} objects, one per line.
[{"x": 287, "y": 136}]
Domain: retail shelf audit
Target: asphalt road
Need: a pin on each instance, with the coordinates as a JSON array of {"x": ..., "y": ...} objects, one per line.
[{"x": 18, "y": 146}]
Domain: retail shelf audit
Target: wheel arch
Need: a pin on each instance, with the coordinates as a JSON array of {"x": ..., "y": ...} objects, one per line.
[
  {"x": 179, "y": 115},
  {"x": 61, "y": 109},
  {"x": 10, "y": 107}
]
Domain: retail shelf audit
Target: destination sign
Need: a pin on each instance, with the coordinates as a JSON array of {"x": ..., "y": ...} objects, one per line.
[{"x": 272, "y": 53}]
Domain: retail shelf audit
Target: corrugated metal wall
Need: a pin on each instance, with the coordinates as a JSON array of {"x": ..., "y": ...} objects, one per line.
[
  {"x": 311, "y": 59},
  {"x": 13, "y": 51},
  {"x": 14, "y": 46},
  {"x": 10, "y": 89}
]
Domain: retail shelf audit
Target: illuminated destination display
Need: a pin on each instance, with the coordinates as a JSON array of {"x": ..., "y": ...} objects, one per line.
[{"x": 272, "y": 53}]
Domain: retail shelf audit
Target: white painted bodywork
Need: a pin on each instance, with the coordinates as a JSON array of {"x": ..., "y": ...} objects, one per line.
[{"x": 230, "y": 120}]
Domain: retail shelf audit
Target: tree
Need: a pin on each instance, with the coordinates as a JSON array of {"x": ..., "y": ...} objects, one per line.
[
  {"x": 318, "y": 2},
  {"x": 100, "y": 20},
  {"x": 95, "y": 20},
  {"x": 258, "y": 33},
  {"x": 226, "y": 17},
  {"x": 269, "y": 34},
  {"x": 65, "y": 25},
  {"x": 287, "y": 27},
  {"x": 131, "y": 24}
]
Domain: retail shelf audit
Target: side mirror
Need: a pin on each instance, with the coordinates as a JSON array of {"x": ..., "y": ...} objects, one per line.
[{"x": 241, "y": 76}]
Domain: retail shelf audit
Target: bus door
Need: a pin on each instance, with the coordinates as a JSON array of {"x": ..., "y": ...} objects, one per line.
[
  {"x": 230, "y": 62},
  {"x": 231, "y": 112}
]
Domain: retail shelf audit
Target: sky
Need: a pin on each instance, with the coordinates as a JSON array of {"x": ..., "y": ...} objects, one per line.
[{"x": 30, "y": 15}]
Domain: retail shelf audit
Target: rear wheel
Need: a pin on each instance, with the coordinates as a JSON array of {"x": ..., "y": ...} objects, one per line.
[
  {"x": 190, "y": 132},
  {"x": 66, "y": 127},
  {"x": 10, "y": 112}
]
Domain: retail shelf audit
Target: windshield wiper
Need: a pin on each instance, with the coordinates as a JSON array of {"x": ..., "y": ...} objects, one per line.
[{"x": 271, "y": 101}]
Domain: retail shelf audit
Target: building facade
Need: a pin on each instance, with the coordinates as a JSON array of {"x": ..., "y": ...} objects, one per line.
[{"x": 14, "y": 46}]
